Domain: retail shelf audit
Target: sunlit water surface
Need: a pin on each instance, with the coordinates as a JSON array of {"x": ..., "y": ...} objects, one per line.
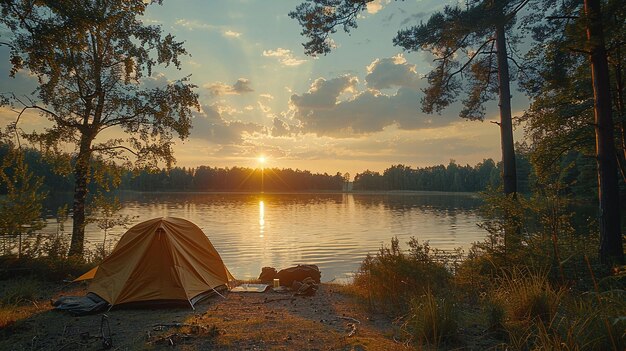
[{"x": 333, "y": 231}]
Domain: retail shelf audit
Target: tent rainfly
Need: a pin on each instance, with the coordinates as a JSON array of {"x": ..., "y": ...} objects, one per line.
[{"x": 162, "y": 259}]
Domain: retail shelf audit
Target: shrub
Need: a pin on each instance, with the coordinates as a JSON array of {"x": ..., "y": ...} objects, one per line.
[
  {"x": 391, "y": 278},
  {"x": 19, "y": 292},
  {"x": 43, "y": 268}
]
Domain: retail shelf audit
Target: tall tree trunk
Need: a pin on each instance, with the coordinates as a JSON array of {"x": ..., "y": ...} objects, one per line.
[
  {"x": 81, "y": 174},
  {"x": 509, "y": 172},
  {"x": 619, "y": 103},
  {"x": 611, "y": 250}
]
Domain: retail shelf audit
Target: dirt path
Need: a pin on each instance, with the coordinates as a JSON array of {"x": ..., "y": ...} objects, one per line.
[{"x": 330, "y": 320}]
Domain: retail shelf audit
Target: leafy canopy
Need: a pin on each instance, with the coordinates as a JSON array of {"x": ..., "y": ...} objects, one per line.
[{"x": 93, "y": 61}]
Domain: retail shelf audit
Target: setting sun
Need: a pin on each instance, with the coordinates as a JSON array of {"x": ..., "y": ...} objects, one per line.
[{"x": 261, "y": 159}]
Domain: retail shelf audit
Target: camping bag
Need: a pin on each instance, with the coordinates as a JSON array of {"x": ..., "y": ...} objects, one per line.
[
  {"x": 299, "y": 273},
  {"x": 267, "y": 274}
]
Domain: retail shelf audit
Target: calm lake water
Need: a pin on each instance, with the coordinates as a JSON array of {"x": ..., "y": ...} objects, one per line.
[{"x": 334, "y": 231}]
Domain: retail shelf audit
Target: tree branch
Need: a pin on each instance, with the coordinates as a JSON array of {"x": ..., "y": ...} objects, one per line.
[
  {"x": 561, "y": 17},
  {"x": 580, "y": 51},
  {"x": 468, "y": 61},
  {"x": 100, "y": 149},
  {"x": 56, "y": 117},
  {"x": 517, "y": 9},
  {"x": 458, "y": 47},
  {"x": 520, "y": 68}
]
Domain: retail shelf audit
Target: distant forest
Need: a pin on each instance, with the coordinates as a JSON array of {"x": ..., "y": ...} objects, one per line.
[{"x": 453, "y": 177}]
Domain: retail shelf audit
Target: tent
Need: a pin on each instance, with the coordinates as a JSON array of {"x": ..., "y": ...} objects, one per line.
[{"x": 160, "y": 260}]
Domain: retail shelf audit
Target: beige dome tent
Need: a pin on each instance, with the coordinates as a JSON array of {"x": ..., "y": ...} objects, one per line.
[{"x": 162, "y": 259}]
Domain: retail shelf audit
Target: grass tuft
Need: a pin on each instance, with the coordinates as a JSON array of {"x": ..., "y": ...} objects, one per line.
[
  {"x": 432, "y": 320},
  {"x": 528, "y": 295},
  {"x": 19, "y": 292}
]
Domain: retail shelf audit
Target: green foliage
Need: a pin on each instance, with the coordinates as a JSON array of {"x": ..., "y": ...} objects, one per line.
[
  {"x": 452, "y": 177},
  {"x": 571, "y": 120},
  {"x": 42, "y": 268},
  {"x": 93, "y": 62},
  {"x": 21, "y": 208},
  {"x": 19, "y": 292},
  {"x": 56, "y": 246},
  {"x": 73, "y": 68},
  {"x": 105, "y": 213},
  {"x": 504, "y": 220},
  {"x": 551, "y": 239},
  {"x": 319, "y": 18},
  {"x": 391, "y": 278}
]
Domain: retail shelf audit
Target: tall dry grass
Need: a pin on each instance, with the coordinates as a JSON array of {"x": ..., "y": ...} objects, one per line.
[{"x": 432, "y": 320}]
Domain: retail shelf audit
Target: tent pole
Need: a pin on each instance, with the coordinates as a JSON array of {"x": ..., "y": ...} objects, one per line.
[{"x": 217, "y": 292}]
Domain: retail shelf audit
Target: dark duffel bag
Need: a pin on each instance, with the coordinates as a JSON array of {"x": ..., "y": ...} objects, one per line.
[{"x": 298, "y": 273}]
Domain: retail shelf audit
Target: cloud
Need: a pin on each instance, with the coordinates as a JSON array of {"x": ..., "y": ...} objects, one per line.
[
  {"x": 323, "y": 93},
  {"x": 320, "y": 110},
  {"x": 156, "y": 80},
  {"x": 264, "y": 107},
  {"x": 194, "y": 25},
  {"x": 267, "y": 96},
  {"x": 284, "y": 56},
  {"x": 392, "y": 72},
  {"x": 212, "y": 125},
  {"x": 280, "y": 128},
  {"x": 231, "y": 34},
  {"x": 241, "y": 86},
  {"x": 376, "y": 5}
]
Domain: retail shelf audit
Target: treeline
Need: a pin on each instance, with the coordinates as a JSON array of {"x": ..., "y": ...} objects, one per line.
[
  {"x": 51, "y": 171},
  {"x": 205, "y": 178},
  {"x": 453, "y": 177},
  {"x": 578, "y": 180}
]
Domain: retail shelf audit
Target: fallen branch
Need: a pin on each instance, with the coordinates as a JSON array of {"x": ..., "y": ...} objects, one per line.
[
  {"x": 351, "y": 319},
  {"x": 171, "y": 325},
  {"x": 171, "y": 339}
]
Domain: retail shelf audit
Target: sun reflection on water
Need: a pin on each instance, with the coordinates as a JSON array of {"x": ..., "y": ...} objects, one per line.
[{"x": 261, "y": 219}]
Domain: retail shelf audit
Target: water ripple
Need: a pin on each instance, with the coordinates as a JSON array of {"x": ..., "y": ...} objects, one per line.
[{"x": 334, "y": 231}]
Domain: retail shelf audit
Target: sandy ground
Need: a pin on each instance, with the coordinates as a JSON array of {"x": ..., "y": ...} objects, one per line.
[{"x": 330, "y": 320}]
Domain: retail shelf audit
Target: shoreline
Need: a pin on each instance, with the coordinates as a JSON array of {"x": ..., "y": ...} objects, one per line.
[{"x": 312, "y": 192}]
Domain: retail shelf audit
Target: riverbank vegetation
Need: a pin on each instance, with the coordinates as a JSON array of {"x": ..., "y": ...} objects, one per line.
[{"x": 543, "y": 290}]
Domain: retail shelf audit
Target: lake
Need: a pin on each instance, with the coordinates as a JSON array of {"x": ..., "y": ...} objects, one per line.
[{"x": 333, "y": 231}]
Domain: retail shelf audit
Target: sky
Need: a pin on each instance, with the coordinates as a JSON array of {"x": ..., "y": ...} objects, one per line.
[{"x": 355, "y": 109}]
